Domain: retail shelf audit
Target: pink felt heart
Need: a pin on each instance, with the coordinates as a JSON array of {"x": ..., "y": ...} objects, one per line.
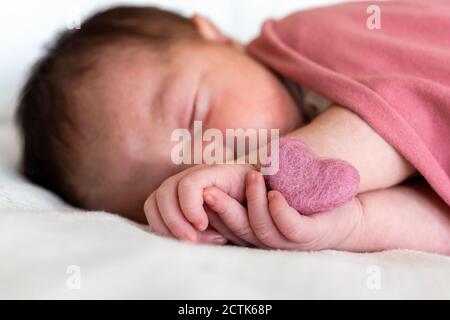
[{"x": 309, "y": 184}]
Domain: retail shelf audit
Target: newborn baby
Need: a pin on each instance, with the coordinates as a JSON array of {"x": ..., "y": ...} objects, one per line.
[{"x": 98, "y": 111}]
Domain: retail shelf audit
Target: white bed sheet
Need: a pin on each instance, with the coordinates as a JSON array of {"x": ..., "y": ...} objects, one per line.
[{"x": 40, "y": 237}]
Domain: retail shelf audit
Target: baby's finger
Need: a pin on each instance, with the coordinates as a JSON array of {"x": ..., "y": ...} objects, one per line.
[
  {"x": 167, "y": 202},
  {"x": 217, "y": 224},
  {"x": 232, "y": 213},
  {"x": 259, "y": 215},
  {"x": 211, "y": 236},
  {"x": 156, "y": 224},
  {"x": 190, "y": 197},
  {"x": 304, "y": 230}
]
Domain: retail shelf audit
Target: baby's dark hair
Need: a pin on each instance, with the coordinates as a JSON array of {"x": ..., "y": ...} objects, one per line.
[{"x": 45, "y": 107}]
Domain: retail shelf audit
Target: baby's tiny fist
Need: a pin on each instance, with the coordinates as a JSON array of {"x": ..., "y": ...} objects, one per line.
[{"x": 309, "y": 184}]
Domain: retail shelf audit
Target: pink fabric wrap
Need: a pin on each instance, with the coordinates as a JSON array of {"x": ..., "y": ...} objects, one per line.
[{"x": 396, "y": 78}]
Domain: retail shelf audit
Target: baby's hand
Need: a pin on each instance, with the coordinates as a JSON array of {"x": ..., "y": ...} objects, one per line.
[
  {"x": 268, "y": 221},
  {"x": 176, "y": 209}
]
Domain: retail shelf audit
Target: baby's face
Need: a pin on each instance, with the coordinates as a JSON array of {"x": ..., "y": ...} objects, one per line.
[{"x": 141, "y": 97}]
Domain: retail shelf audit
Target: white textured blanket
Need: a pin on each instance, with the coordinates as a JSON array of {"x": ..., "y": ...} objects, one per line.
[{"x": 49, "y": 250}]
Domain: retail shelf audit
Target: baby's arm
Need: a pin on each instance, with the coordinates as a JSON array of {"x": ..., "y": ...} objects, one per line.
[
  {"x": 408, "y": 216},
  {"x": 401, "y": 217},
  {"x": 340, "y": 134}
]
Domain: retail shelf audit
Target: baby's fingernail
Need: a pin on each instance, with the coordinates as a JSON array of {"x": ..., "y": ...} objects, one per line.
[
  {"x": 252, "y": 176},
  {"x": 201, "y": 226},
  {"x": 209, "y": 198},
  {"x": 191, "y": 236},
  {"x": 219, "y": 240}
]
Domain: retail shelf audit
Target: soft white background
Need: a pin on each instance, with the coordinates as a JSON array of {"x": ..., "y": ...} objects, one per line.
[{"x": 27, "y": 26}]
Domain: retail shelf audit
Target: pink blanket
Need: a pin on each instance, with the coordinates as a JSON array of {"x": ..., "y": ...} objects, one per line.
[{"x": 397, "y": 78}]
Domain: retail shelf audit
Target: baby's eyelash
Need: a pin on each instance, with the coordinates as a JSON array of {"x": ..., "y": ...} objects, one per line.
[{"x": 193, "y": 113}]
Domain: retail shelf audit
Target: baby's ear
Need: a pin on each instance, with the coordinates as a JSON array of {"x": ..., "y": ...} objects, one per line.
[{"x": 208, "y": 30}]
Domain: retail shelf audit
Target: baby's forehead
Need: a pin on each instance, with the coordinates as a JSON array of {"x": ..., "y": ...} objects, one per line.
[
  {"x": 120, "y": 80},
  {"x": 114, "y": 108},
  {"x": 127, "y": 58}
]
